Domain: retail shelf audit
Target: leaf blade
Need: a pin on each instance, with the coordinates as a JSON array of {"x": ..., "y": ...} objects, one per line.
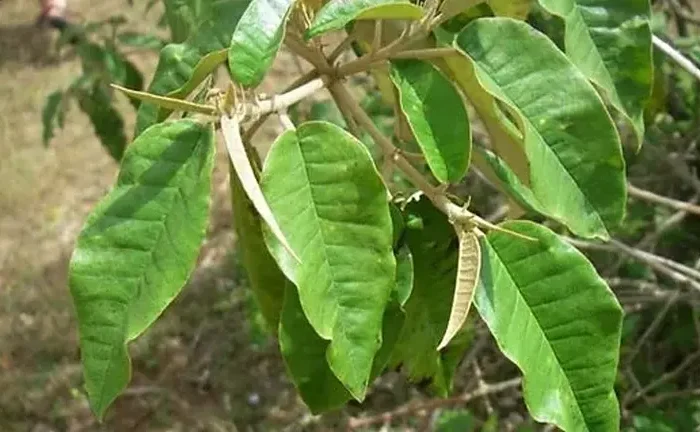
[
  {"x": 437, "y": 117},
  {"x": 611, "y": 42},
  {"x": 576, "y": 171},
  {"x": 468, "y": 266},
  {"x": 337, "y": 13},
  {"x": 138, "y": 247},
  {"x": 573, "y": 332},
  {"x": 328, "y": 198},
  {"x": 256, "y": 40}
]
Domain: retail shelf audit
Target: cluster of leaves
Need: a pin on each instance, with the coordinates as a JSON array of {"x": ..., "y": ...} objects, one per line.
[
  {"x": 101, "y": 48},
  {"x": 353, "y": 275}
]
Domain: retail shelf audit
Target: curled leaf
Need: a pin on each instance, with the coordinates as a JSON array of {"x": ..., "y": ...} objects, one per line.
[
  {"x": 241, "y": 164},
  {"x": 467, "y": 277},
  {"x": 167, "y": 102}
]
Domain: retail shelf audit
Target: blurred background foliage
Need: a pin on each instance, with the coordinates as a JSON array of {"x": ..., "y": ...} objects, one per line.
[{"x": 209, "y": 364}]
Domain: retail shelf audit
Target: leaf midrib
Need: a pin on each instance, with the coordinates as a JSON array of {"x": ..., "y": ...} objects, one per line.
[
  {"x": 539, "y": 327},
  {"x": 125, "y": 323}
]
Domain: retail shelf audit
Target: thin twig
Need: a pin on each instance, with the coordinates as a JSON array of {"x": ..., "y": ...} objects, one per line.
[
  {"x": 676, "y": 271},
  {"x": 662, "y": 200},
  {"x": 666, "y": 377},
  {"x": 652, "y": 328},
  {"x": 412, "y": 408},
  {"x": 677, "y": 57}
]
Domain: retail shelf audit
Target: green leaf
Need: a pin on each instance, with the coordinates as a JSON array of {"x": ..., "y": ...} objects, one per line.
[
  {"x": 304, "y": 351},
  {"x": 610, "y": 41},
  {"x": 518, "y": 9},
  {"x": 433, "y": 243},
  {"x": 498, "y": 172},
  {"x": 577, "y": 170},
  {"x": 182, "y": 17},
  {"x": 257, "y": 39},
  {"x": 141, "y": 41},
  {"x": 505, "y": 138},
  {"x": 178, "y": 62},
  {"x": 557, "y": 320},
  {"x": 337, "y": 13},
  {"x": 138, "y": 248},
  {"x": 106, "y": 121},
  {"x": 437, "y": 117},
  {"x": 266, "y": 280},
  {"x": 330, "y": 202},
  {"x": 49, "y": 115}
]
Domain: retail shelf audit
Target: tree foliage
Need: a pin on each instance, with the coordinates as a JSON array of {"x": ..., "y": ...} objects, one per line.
[{"x": 354, "y": 269}]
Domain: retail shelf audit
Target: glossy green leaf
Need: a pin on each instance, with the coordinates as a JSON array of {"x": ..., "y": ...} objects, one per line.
[
  {"x": 505, "y": 138},
  {"x": 304, "y": 351},
  {"x": 433, "y": 244},
  {"x": 437, "y": 117},
  {"x": 557, "y": 320},
  {"x": 257, "y": 39},
  {"x": 337, "y": 13},
  {"x": 138, "y": 248},
  {"x": 331, "y": 204},
  {"x": 505, "y": 179},
  {"x": 178, "y": 62},
  {"x": 50, "y": 114},
  {"x": 266, "y": 280},
  {"x": 610, "y": 41},
  {"x": 577, "y": 170},
  {"x": 106, "y": 121}
]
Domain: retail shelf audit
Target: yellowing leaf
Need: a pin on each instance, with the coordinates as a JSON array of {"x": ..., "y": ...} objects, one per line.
[{"x": 467, "y": 278}]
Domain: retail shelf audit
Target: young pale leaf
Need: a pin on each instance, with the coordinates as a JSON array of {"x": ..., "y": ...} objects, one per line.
[
  {"x": 239, "y": 158},
  {"x": 467, "y": 278},
  {"x": 179, "y": 62},
  {"x": 433, "y": 244},
  {"x": 49, "y": 115},
  {"x": 257, "y": 39},
  {"x": 575, "y": 155},
  {"x": 337, "y": 13},
  {"x": 330, "y": 201},
  {"x": 610, "y": 41},
  {"x": 266, "y": 280},
  {"x": 138, "y": 248},
  {"x": 204, "y": 68},
  {"x": 437, "y": 117},
  {"x": 167, "y": 102},
  {"x": 556, "y": 319}
]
